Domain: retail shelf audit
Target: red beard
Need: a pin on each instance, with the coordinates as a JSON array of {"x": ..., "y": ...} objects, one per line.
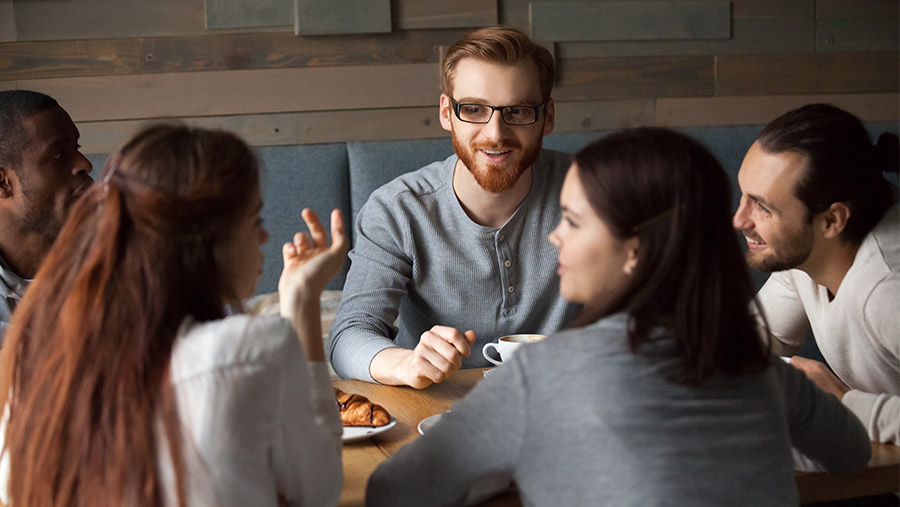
[{"x": 497, "y": 178}]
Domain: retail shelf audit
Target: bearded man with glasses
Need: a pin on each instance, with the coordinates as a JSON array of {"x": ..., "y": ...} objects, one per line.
[{"x": 455, "y": 255}]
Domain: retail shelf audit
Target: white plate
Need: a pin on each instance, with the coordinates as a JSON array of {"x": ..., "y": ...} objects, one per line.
[
  {"x": 428, "y": 422},
  {"x": 357, "y": 433}
]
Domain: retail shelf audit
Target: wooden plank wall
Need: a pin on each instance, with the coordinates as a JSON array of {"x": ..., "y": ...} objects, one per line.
[{"x": 238, "y": 64}]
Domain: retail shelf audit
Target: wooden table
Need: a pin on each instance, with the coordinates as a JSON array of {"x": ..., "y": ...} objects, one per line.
[{"x": 410, "y": 406}]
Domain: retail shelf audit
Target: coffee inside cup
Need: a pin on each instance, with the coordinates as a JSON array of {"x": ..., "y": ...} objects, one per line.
[{"x": 523, "y": 338}]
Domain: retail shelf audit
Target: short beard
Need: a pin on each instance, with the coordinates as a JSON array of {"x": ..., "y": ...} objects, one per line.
[
  {"x": 800, "y": 248},
  {"x": 497, "y": 178},
  {"x": 42, "y": 219}
]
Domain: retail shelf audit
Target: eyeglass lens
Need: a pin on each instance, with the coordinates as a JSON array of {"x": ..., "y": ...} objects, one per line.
[{"x": 514, "y": 115}]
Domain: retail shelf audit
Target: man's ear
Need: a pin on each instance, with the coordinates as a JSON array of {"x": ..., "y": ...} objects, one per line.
[
  {"x": 8, "y": 182},
  {"x": 446, "y": 111},
  {"x": 834, "y": 219},
  {"x": 549, "y": 116}
]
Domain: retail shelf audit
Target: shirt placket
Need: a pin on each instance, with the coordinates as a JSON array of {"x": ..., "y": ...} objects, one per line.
[{"x": 508, "y": 278}]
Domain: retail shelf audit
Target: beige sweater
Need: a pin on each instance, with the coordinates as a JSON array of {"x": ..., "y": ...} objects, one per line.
[{"x": 858, "y": 332}]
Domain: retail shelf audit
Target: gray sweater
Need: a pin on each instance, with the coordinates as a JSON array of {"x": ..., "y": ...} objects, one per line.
[
  {"x": 419, "y": 260},
  {"x": 625, "y": 436}
]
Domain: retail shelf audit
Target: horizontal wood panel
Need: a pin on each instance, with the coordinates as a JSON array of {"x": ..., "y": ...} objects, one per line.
[
  {"x": 241, "y": 13},
  {"x": 242, "y": 92},
  {"x": 857, "y": 35},
  {"x": 413, "y": 14},
  {"x": 285, "y": 128},
  {"x": 830, "y": 9},
  {"x": 48, "y": 59},
  {"x": 804, "y": 73},
  {"x": 631, "y": 20},
  {"x": 284, "y": 50},
  {"x": 258, "y": 130},
  {"x": 604, "y": 114},
  {"x": 368, "y": 125},
  {"x": 770, "y": 36},
  {"x": 102, "y": 19},
  {"x": 322, "y": 17},
  {"x": 362, "y": 125},
  {"x": 606, "y": 78},
  {"x": 686, "y": 112},
  {"x": 93, "y": 57},
  {"x": 773, "y": 9}
]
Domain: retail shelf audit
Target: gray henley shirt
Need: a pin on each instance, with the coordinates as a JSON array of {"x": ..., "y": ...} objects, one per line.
[{"x": 420, "y": 261}]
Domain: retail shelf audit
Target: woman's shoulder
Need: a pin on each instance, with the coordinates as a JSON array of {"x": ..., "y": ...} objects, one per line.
[{"x": 240, "y": 339}]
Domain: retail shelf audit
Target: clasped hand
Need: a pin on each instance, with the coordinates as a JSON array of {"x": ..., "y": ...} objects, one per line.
[{"x": 821, "y": 376}]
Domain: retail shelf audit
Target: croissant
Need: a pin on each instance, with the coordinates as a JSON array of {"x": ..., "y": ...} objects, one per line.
[{"x": 357, "y": 410}]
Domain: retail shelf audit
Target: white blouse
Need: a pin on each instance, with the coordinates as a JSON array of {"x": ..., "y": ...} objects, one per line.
[{"x": 259, "y": 421}]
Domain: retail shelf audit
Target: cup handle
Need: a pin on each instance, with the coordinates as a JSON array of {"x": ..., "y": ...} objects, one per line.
[{"x": 484, "y": 351}]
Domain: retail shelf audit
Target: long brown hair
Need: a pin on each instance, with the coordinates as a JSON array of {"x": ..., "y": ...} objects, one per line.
[
  {"x": 671, "y": 192},
  {"x": 88, "y": 349}
]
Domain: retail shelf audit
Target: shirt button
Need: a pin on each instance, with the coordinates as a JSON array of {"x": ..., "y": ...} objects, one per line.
[
  {"x": 507, "y": 264},
  {"x": 511, "y": 289},
  {"x": 501, "y": 237}
]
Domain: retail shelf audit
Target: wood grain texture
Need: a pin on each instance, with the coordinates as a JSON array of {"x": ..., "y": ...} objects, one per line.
[
  {"x": 286, "y": 128},
  {"x": 614, "y": 77},
  {"x": 103, "y": 19},
  {"x": 699, "y": 111},
  {"x": 368, "y": 125},
  {"x": 363, "y": 125},
  {"x": 241, "y": 13},
  {"x": 243, "y": 92},
  {"x": 773, "y": 9},
  {"x": 7, "y": 21},
  {"x": 323, "y": 17},
  {"x": 630, "y": 20},
  {"x": 857, "y": 35},
  {"x": 842, "y": 9},
  {"x": 807, "y": 74},
  {"x": 604, "y": 114},
  {"x": 413, "y": 14},
  {"x": 256, "y": 130},
  {"x": 284, "y": 50},
  {"x": 49, "y": 59},
  {"x": 769, "y": 36}
]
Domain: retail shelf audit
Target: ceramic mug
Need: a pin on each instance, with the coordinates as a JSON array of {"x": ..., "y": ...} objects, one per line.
[{"x": 507, "y": 346}]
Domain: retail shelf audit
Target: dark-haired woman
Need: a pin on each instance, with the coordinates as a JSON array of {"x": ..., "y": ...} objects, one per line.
[
  {"x": 664, "y": 395},
  {"x": 129, "y": 382}
]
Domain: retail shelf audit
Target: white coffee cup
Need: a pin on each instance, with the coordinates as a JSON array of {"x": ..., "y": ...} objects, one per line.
[{"x": 506, "y": 346}]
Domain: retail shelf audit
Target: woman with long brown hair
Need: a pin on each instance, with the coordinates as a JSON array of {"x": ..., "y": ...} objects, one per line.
[
  {"x": 131, "y": 378},
  {"x": 664, "y": 393}
]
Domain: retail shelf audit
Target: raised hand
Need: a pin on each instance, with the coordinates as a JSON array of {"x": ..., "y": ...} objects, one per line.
[{"x": 309, "y": 263}]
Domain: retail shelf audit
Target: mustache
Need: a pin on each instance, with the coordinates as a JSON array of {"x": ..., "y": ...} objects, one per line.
[{"x": 501, "y": 146}]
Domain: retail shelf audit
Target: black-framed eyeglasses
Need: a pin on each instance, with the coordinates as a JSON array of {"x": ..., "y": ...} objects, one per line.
[{"x": 482, "y": 113}]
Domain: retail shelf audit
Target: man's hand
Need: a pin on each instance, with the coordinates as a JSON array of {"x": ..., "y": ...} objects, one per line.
[
  {"x": 439, "y": 352},
  {"x": 821, "y": 376}
]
